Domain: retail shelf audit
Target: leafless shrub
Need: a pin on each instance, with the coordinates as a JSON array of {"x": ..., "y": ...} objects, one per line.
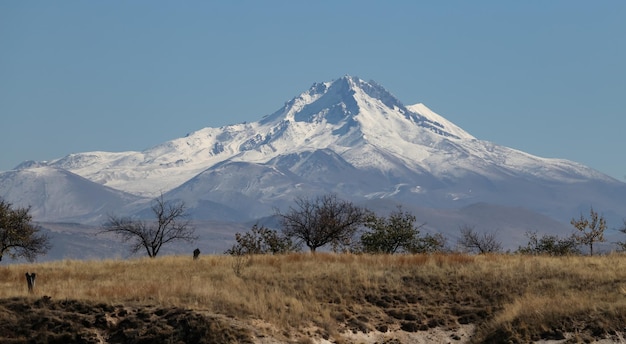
[{"x": 474, "y": 242}]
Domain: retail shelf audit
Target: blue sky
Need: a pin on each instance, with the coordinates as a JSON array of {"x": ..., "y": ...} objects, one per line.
[{"x": 545, "y": 77}]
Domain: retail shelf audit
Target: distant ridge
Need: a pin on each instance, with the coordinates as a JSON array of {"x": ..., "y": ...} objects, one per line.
[{"x": 347, "y": 136}]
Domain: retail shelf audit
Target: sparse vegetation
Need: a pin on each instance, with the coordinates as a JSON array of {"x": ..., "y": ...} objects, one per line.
[
  {"x": 19, "y": 237},
  {"x": 292, "y": 297},
  {"x": 622, "y": 244},
  {"x": 261, "y": 240},
  {"x": 397, "y": 233},
  {"x": 322, "y": 221},
  {"x": 473, "y": 242},
  {"x": 170, "y": 225},
  {"x": 590, "y": 230},
  {"x": 551, "y": 245},
  {"x": 548, "y": 291}
]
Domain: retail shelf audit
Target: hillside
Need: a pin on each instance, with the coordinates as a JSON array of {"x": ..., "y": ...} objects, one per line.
[{"x": 322, "y": 298}]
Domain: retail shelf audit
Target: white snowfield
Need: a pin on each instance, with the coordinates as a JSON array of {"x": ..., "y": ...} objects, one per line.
[
  {"x": 349, "y": 137},
  {"x": 358, "y": 120}
]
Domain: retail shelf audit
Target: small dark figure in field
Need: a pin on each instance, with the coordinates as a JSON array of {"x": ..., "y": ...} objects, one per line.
[
  {"x": 196, "y": 253},
  {"x": 30, "y": 280}
]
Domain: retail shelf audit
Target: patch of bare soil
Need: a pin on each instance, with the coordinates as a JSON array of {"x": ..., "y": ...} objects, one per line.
[
  {"x": 28, "y": 320},
  {"x": 459, "y": 335}
]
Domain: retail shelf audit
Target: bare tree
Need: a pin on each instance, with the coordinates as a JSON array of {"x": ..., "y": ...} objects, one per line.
[
  {"x": 481, "y": 244},
  {"x": 323, "y": 220},
  {"x": 170, "y": 225},
  {"x": 19, "y": 237},
  {"x": 591, "y": 230}
]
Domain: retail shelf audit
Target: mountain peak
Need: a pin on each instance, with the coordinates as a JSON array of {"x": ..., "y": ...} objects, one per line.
[
  {"x": 374, "y": 90},
  {"x": 331, "y": 101},
  {"x": 352, "y": 84},
  {"x": 347, "y": 136},
  {"x": 349, "y": 97},
  {"x": 337, "y": 100}
]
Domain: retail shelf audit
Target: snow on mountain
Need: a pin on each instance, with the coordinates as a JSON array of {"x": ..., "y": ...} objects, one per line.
[
  {"x": 358, "y": 120},
  {"x": 341, "y": 115},
  {"x": 347, "y": 136},
  {"x": 58, "y": 195}
]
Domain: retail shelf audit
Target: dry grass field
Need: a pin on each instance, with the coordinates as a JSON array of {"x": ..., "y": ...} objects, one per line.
[{"x": 304, "y": 298}]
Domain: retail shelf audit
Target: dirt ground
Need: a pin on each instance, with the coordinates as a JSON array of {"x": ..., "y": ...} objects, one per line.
[
  {"x": 44, "y": 320},
  {"x": 27, "y": 320}
]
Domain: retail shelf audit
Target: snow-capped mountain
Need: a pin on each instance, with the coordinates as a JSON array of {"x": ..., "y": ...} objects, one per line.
[
  {"x": 360, "y": 121},
  {"x": 59, "y": 195},
  {"x": 347, "y": 136}
]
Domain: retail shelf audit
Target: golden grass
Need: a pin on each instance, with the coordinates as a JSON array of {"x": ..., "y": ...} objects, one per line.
[{"x": 521, "y": 297}]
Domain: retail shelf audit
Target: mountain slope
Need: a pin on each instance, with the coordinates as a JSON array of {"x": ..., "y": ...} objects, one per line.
[
  {"x": 358, "y": 120},
  {"x": 58, "y": 195},
  {"x": 347, "y": 136}
]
